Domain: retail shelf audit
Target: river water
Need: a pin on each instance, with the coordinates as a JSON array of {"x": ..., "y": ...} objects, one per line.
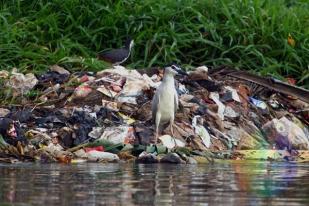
[{"x": 226, "y": 183}]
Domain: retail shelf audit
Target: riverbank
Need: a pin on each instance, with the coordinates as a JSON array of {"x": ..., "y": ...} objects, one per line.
[{"x": 106, "y": 116}]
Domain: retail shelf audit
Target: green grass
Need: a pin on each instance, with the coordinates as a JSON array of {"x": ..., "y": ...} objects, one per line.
[{"x": 245, "y": 34}]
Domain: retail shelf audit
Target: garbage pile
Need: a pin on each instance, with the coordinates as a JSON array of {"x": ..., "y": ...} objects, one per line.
[{"x": 106, "y": 117}]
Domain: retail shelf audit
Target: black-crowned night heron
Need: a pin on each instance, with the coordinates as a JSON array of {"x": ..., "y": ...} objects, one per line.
[
  {"x": 165, "y": 100},
  {"x": 117, "y": 56}
]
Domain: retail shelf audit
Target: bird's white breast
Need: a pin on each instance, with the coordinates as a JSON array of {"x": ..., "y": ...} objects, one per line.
[{"x": 166, "y": 105}]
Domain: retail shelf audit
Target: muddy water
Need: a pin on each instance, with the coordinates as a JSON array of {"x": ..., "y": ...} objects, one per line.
[{"x": 242, "y": 183}]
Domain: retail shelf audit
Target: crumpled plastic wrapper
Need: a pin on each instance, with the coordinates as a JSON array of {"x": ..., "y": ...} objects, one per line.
[{"x": 21, "y": 83}]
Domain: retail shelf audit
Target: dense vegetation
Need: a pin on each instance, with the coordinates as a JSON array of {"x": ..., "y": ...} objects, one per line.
[{"x": 247, "y": 34}]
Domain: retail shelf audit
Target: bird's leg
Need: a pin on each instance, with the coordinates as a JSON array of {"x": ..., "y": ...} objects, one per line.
[
  {"x": 171, "y": 125},
  {"x": 172, "y": 130},
  {"x": 158, "y": 118},
  {"x": 157, "y": 136}
]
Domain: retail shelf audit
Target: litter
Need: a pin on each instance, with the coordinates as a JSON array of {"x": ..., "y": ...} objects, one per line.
[
  {"x": 106, "y": 116},
  {"x": 258, "y": 103},
  {"x": 11, "y": 132},
  {"x": 172, "y": 158},
  {"x": 234, "y": 93},
  {"x": 126, "y": 119},
  {"x": 99, "y": 156},
  {"x": 221, "y": 107},
  {"x": 58, "y": 69},
  {"x": 82, "y": 91},
  {"x": 229, "y": 112},
  {"x": 4, "y": 112},
  {"x": 121, "y": 134},
  {"x": 20, "y": 83},
  {"x": 107, "y": 92},
  {"x": 201, "y": 131},
  {"x": 4, "y": 74},
  {"x": 96, "y": 132},
  {"x": 110, "y": 105},
  {"x": 131, "y": 90},
  {"x": 147, "y": 158},
  {"x": 285, "y": 134},
  {"x": 52, "y": 77},
  {"x": 171, "y": 142}
]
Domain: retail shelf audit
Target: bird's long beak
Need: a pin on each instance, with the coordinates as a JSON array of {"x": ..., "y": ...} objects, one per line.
[
  {"x": 182, "y": 72},
  {"x": 178, "y": 70}
]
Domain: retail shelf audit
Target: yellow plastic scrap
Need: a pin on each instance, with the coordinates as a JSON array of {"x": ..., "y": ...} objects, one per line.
[
  {"x": 258, "y": 154},
  {"x": 261, "y": 154},
  {"x": 29, "y": 135},
  {"x": 76, "y": 161},
  {"x": 304, "y": 156},
  {"x": 127, "y": 119},
  {"x": 272, "y": 154},
  {"x": 291, "y": 40},
  {"x": 42, "y": 146}
]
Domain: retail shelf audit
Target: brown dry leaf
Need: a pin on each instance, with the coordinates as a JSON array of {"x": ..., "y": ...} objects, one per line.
[
  {"x": 126, "y": 155},
  {"x": 244, "y": 93},
  {"x": 217, "y": 145}
]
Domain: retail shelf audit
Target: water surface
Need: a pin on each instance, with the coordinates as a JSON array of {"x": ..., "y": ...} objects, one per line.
[{"x": 240, "y": 183}]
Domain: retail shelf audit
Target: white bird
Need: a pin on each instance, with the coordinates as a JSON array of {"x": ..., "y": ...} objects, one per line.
[{"x": 165, "y": 100}]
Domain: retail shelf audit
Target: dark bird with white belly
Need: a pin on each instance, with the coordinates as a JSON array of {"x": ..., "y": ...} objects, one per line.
[{"x": 117, "y": 56}]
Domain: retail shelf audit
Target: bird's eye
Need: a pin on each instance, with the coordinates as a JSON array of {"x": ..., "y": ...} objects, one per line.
[{"x": 175, "y": 67}]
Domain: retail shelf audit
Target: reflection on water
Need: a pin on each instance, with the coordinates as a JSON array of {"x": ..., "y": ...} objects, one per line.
[{"x": 241, "y": 183}]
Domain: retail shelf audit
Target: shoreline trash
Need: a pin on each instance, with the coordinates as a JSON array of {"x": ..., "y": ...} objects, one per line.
[{"x": 106, "y": 117}]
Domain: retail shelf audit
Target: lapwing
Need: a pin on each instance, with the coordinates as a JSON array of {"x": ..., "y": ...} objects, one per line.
[
  {"x": 165, "y": 100},
  {"x": 117, "y": 56}
]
